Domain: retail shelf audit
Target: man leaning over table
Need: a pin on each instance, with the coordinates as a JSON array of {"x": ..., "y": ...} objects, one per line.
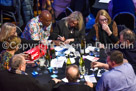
[
  {"x": 73, "y": 74},
  {"x": 39, "y": 28},
  {"x": 16, "y": 79},
  {"x": 120, "y": 77}
]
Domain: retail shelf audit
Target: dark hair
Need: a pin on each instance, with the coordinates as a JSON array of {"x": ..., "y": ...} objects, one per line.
[
  {"x": 128, "y": 35},
  {"x": 70, "y": 77},
  {"x": 116, "y": 56}
]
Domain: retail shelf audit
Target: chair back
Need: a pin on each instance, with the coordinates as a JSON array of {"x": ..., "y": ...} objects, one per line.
[{"x": 125, "y": 18}]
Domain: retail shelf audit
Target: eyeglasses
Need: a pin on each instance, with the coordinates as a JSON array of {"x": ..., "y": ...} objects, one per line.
[{"x": 103, "y": 19}]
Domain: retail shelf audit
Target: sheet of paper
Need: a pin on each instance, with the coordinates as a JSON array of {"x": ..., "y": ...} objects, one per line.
[
  {"x": 104, "y": 1},
  {"x": 58, "y": 62},
  {"x": 66, "y": 80},
  {"x": 91, "y": 58},
  {"x": 59, "y": 48},
  {"x": 90, "y": 78}
]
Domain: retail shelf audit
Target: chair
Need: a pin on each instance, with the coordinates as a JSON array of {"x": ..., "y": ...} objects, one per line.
[
  {"x": 9, "y": 11},
  {"x": 125, "y": 18}
]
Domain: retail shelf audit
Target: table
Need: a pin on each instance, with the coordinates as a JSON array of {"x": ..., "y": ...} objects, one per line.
[{"x": 44, "y": 77}]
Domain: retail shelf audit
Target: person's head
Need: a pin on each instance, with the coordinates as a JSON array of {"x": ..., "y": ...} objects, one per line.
[
  {"x": 102, "y": 17},
  {"x": 13, "y": 43},
  {"x": 114, "y": 58},
  {"x": 18, "y": 62},
  {"x": 45, "y": 18},
  {"x": 72, "y": 73},
  {"x": 75, "y": 19},
  {"x": 7, "y": 30},
  {"x": 127, "y": 37}
]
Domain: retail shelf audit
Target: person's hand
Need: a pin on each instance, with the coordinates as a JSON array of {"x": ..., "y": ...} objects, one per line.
[
  {"x": 106, "y": 28},
  {"x": 68, "y": 41},
  {"x": 25, "y": 55},
  {"x": 61, "y": 38},
  {"x": 101, "y": 46},
  {"x": 89, "y": 84},
  {"x": 56, "y": 80},
  {"x": 125, "y": 61}
]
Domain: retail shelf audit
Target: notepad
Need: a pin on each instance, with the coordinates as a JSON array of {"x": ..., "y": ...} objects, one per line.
[
  {"x": 104, "y": 1},
  {"x": 90, "y": 78}
]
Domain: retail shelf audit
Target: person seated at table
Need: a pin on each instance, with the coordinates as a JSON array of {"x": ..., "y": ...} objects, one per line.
[
  {"x": 104, "y": 30},
  {"x": 120, "y": 77},
  {"x": 11, "y": 45},
  {"x": 69, "y": 29},
  {"x": 117, "y": 6},
  {"x": 39, "y": 27},
  {"x": 9, "y": 29},
  {"x": 73, "y": 74},
  {"x": 128, "y": 46},
  {"x": 16, "y": 79}
]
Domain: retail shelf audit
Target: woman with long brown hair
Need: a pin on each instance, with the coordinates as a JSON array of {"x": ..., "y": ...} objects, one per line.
[{"x": 104, "y": 30}]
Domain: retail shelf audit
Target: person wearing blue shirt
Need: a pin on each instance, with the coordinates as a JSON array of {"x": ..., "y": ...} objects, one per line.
[{"x": 120, "y": 77}]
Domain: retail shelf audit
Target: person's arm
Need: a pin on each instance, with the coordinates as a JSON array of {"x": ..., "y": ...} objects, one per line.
[
  {"x": 101, "y": 84},
  {"x": 34, "y": 31},
  {"x": 99, "y": 65},
  {"x": 113, "y": 35},
  {"x": 26, "y": 45}
]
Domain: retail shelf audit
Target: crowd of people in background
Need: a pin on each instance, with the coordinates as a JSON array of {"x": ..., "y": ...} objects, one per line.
[{"x": 64, "y": 22}]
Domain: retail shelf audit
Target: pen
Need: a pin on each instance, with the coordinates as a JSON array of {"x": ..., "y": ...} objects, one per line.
[{"x": 59, "y": 36}]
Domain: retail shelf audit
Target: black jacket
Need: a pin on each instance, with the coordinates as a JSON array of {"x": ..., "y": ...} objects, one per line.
[
  {"x": 73, "y": 87},
  {"x": 20, "y": 82},
  {"x": 62, "y": 30}
]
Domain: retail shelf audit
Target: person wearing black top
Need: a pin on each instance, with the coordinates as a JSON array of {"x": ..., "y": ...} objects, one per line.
[
  {"x": 69, "y": 29},
  {"x": 73, "y": 74},
  {"x": 16, "y": 79},
  {"x": 104, "y": 30}
]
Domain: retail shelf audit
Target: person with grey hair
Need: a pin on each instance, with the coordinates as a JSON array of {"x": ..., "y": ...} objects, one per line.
[
  {"x": 69, "y": 29},
  {"x": 17, "y": 80},
  {"x": 128, "y": 43}
]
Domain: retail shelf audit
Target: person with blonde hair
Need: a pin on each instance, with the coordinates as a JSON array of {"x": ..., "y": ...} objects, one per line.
[
  {"x": 70, "y": 28},
  {"x": 104, "y": 30},
  {"x": 9, "y": 29},
  {"x": 11, "y": 45}
]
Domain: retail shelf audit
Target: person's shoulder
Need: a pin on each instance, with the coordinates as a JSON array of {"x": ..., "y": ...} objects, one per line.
[
  {"x": 61, "y": 22},
  {"x": 33, "y": 21},
  {"x": 4, "y": 73}
]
